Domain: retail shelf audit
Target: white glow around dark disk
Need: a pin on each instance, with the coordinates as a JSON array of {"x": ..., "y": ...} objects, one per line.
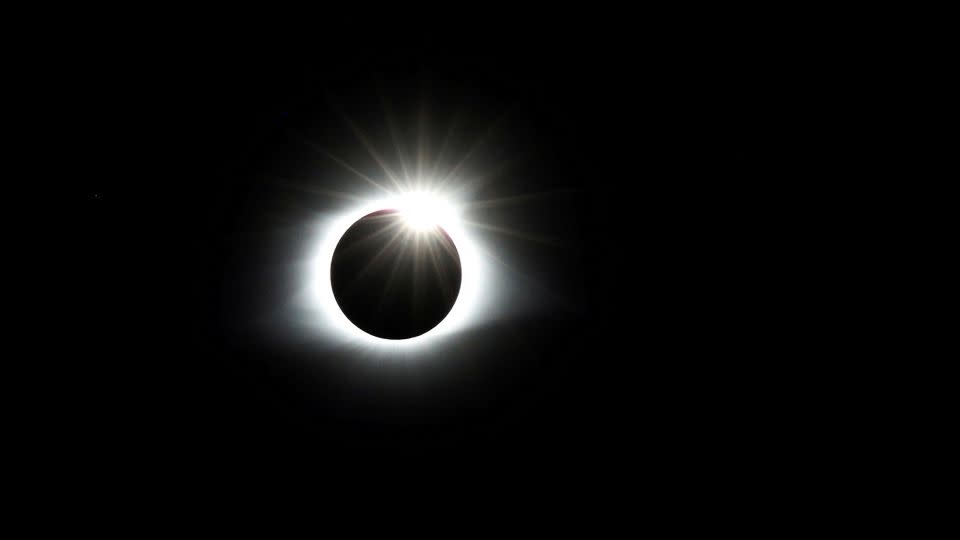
[{"x": 422, "y": 210}]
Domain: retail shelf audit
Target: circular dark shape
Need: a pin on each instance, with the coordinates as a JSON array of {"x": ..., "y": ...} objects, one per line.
[{"x": 392, "y": 280}]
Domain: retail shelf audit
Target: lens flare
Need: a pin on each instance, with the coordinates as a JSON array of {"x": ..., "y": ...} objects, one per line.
[{"x": 423, "y": 211}]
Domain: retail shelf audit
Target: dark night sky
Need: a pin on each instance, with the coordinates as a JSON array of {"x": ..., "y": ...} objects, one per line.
[{"x": 651, "y": 139}]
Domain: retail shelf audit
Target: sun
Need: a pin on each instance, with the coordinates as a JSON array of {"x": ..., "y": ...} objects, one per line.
[{"x": 423, "y": 210}]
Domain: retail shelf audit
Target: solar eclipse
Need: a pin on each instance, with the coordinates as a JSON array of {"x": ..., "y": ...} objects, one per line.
[{"x": 396, "y": 274}]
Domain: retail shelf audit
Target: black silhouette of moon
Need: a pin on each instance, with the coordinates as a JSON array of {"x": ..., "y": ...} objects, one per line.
[{"x": 393, "y": 280}]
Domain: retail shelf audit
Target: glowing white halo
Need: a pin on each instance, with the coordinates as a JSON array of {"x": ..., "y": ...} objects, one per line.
[{"x": 420, "y": 208}]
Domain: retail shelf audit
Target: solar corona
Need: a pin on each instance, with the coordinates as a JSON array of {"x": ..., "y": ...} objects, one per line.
[{"x": 397, "y": 273}]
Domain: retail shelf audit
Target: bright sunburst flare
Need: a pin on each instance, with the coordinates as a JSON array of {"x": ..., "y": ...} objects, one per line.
[
  {"x": 424, "y": 210},
  {"x": 428, "y": 190}
]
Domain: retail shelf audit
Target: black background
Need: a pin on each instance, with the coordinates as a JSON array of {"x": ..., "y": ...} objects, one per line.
[{"x": 663, "y": 139}]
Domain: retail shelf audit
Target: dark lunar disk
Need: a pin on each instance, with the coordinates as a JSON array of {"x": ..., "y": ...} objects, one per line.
[{"x": 394, "y": 281}]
